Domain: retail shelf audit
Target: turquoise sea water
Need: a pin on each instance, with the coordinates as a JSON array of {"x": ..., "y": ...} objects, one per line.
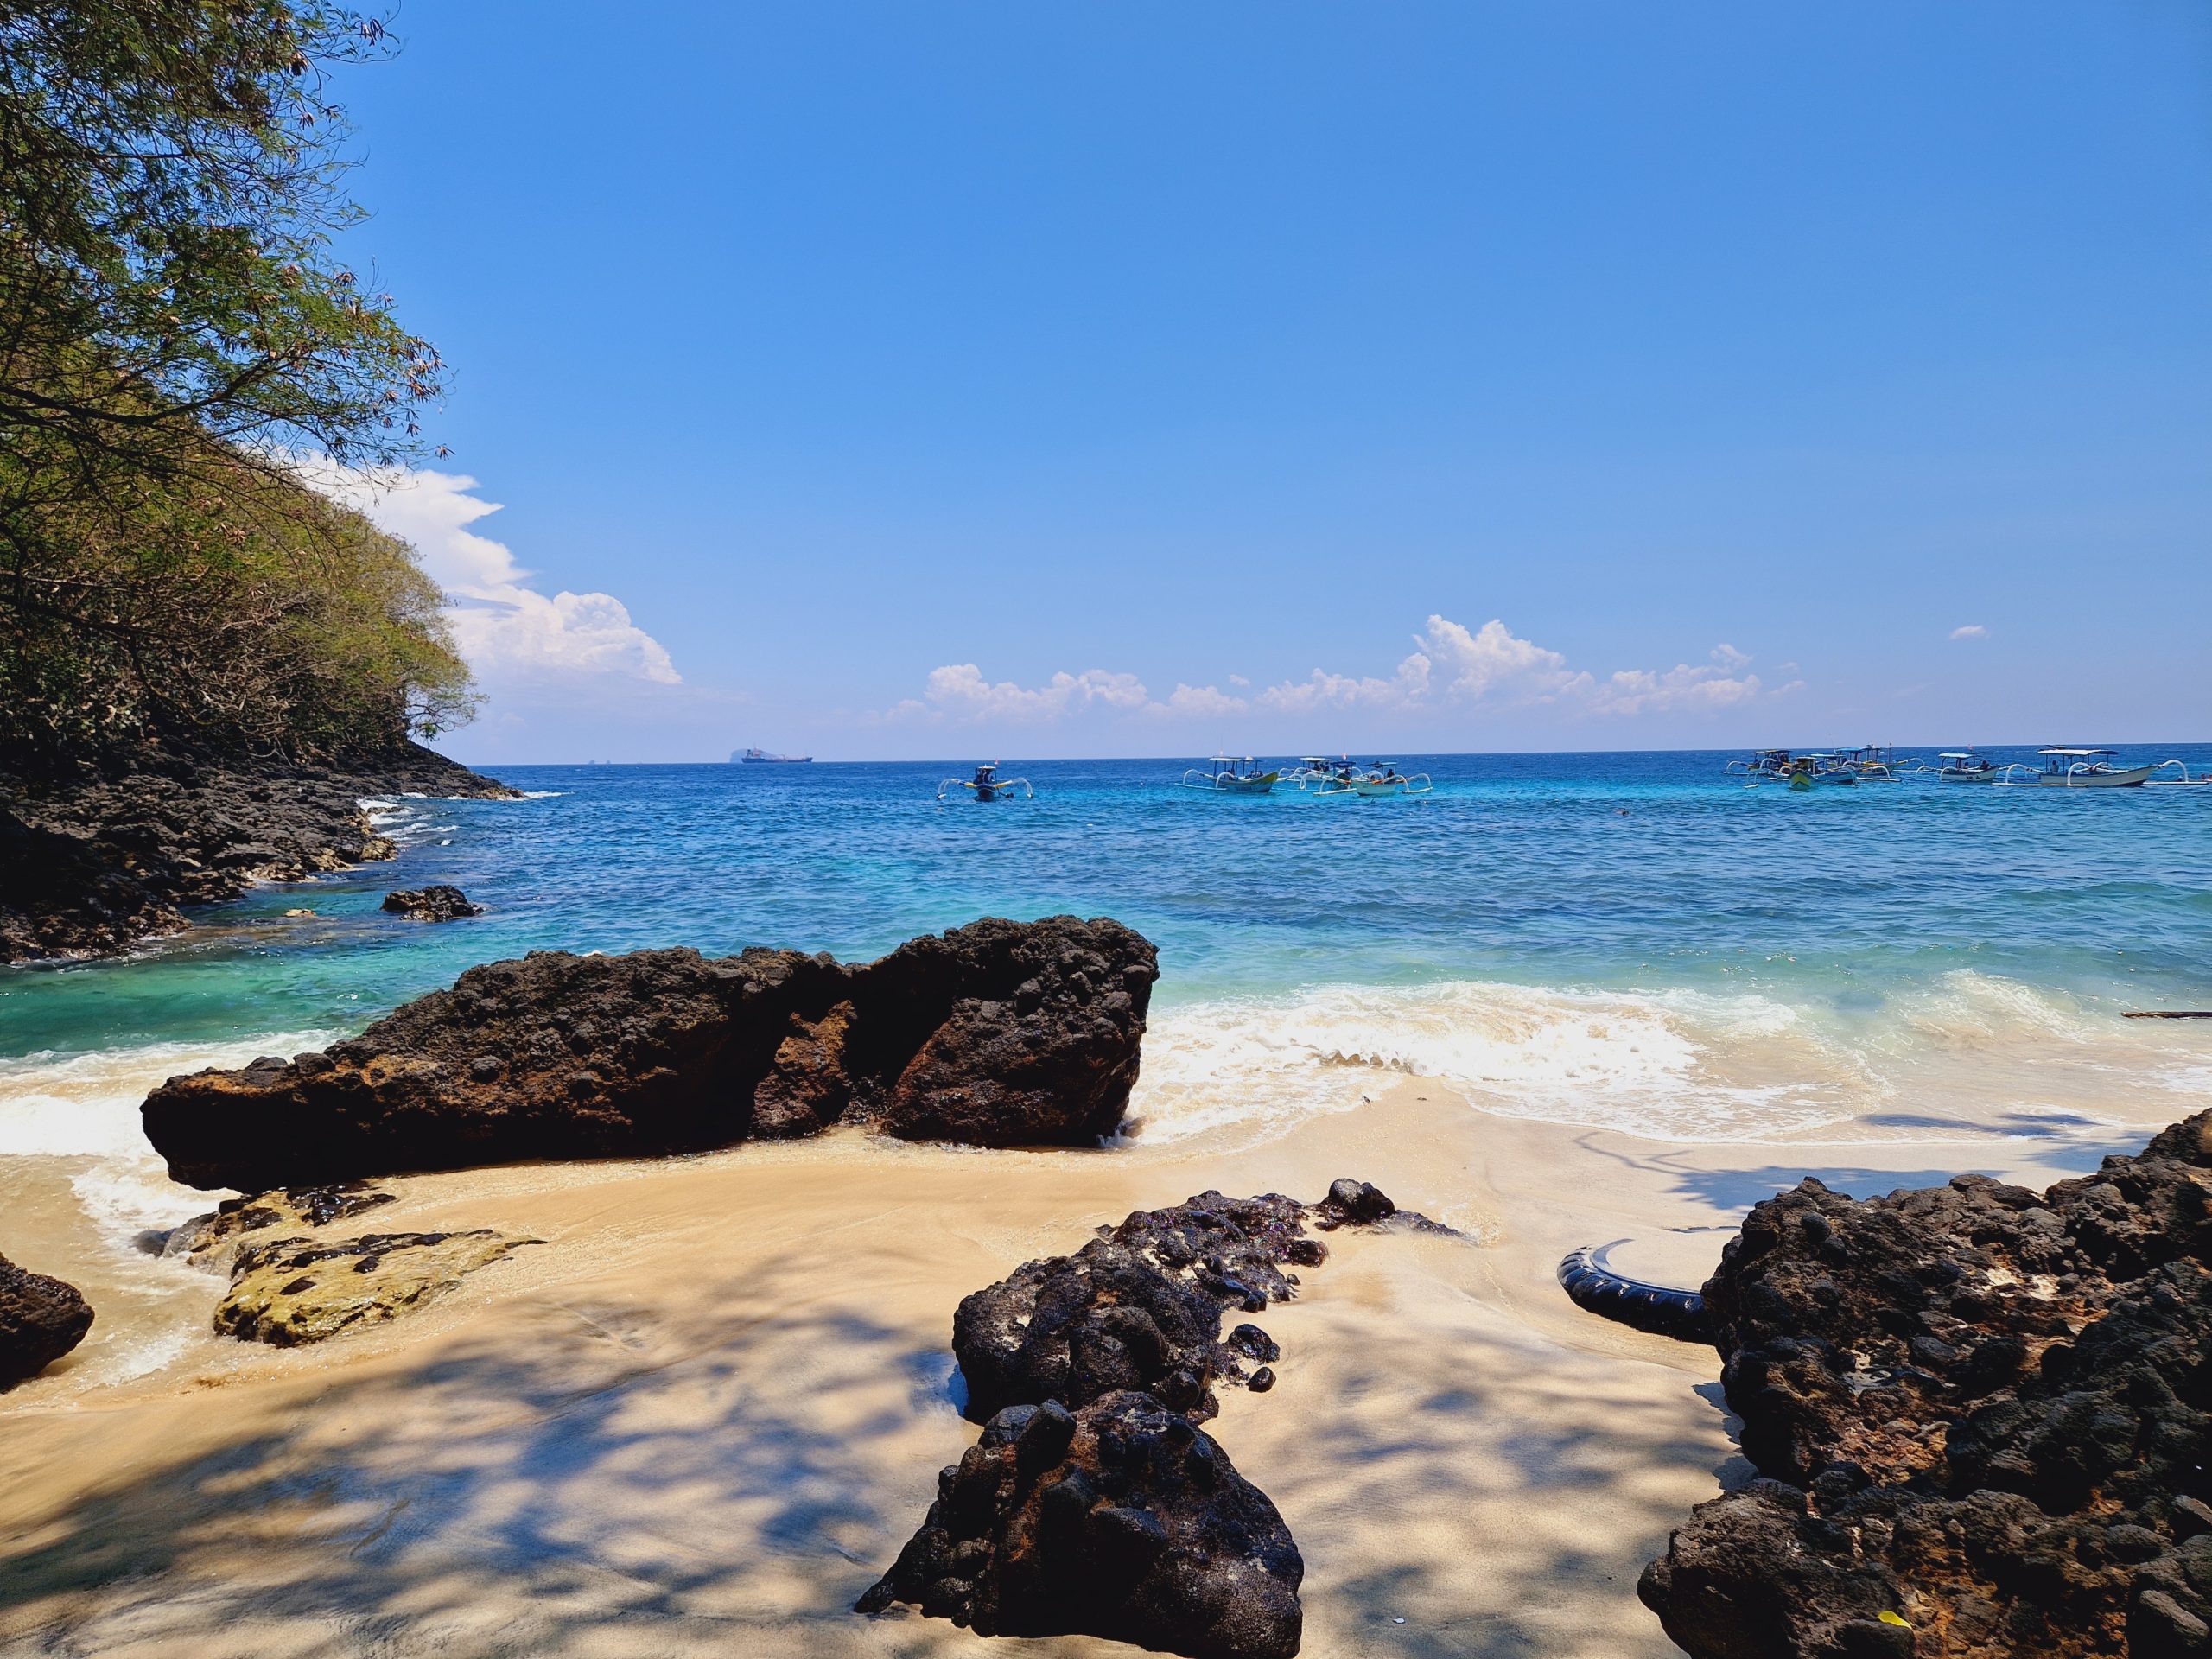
[
  {"x": 1650, "y": 872},
  {"x": 1636, "y": 941}
]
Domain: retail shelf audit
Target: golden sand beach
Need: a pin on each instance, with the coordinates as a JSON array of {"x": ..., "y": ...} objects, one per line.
[{"x": 705, "y": 1413}]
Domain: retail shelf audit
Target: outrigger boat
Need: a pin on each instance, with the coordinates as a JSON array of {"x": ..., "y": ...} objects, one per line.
[
  {"x": 987, "y": 786},
  {"x": 2067, "y": 768},
  {"x": 1227, "y": 774},
  {"x": 1963, "y": 766},
  {"x": 1871, "y": 763},
  {"x": 1766, "y": 763},
  {"x": 1383, "y": 778}
]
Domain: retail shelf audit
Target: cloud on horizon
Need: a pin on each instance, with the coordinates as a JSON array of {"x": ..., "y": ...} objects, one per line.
[
  {"x": 1450, "y": 666},
  {"x": 508, "y": 630},
  {"x": 1971, "y": 631}
]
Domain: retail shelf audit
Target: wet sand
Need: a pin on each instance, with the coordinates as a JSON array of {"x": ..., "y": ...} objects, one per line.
[{"x": 704, "y": 1415}]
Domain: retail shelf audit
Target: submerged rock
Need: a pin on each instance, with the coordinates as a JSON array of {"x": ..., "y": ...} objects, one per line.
[
  {"x": 1987, "y": 1418},
  {"x": 289, "y": 1291},
  {"x": 436, "y": 903},
  {"x": 40, "y": 1319},
  {"x": 999, "y": 1033},
  {"x": 1119, "y": 1520}
]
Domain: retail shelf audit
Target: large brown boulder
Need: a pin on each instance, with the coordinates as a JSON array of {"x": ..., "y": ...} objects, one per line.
[
  {"x": 40, "y": 1319},
  {"x": 1000, "y": 1034},
  {"x": 1987, "y": 1418}
]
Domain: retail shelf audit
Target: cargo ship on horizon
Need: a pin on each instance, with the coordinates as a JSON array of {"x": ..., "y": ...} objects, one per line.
[{"x": 761, "y": 756}]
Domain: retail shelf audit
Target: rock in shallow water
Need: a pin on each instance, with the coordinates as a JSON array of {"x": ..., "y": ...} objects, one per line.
[
  {"x": 1000, "y": 1034},
  {"x": 437, "y": 903},
  {"x": 289, "y": 1291},
  {"x": 1987, "y": 1417},
  {"x": 1122, "y": 1520},
  {"x": 40, "y": 1319}
]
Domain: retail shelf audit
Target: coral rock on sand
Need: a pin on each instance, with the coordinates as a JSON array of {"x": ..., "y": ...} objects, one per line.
[
  {"x": 999, "y": 1033},
  {"x": 40, "y": 1319},
  {"x": 210, "y": 1241},
  {"x": 436, "y": 903},
  {"x": 1121, "y": 1519},
  {"x": 1987, "y": 1417},
  {"x": 292, "y": 1291}
]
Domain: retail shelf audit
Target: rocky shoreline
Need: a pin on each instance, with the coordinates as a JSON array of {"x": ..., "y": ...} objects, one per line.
[{"x": 93, "y": 861}]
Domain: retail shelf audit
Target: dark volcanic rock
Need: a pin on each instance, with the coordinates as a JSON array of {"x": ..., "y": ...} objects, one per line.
[
  {"x": 562, "y": 1056},
  {"x": 1120, "y": 1520},
  {"x": 1093, "y": 1502},
  {"x": 1139, "y": 1306},
  {"x": 40, "y": 1319},
  {"x": 95, "y": 860},
  {"x": 1989, "y": 1417},
  {"x": 436, "y": 903}
]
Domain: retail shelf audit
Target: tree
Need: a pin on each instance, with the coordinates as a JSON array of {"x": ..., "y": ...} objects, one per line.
[
  {"x": 175, "y": 327},
  {"x": 171, "y": 177}
]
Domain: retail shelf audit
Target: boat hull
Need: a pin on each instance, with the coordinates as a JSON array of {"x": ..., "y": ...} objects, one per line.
[{"x": 2117, "y": 777}]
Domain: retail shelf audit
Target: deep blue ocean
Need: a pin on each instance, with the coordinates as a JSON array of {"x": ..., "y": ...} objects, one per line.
[{"x": 1637, "y": 940}]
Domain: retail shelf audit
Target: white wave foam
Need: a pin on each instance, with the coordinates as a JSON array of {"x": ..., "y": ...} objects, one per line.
[
  {"x": 85, "y": 1107},
  {"x": 1670, "y": 1064},
  {"x": 1674, "y": 1063},
  {"x": 75, "y": 1105}
]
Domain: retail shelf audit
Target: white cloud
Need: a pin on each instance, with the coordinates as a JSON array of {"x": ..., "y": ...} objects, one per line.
[
  {"x": 1971, "y": 631},
  {"x": 960, "y": 689},
  {"x": 1202, "y": 700},
  {"x": 1451, "y": 666},
  {"x": 506, "y": 628},
  {"x": 1707, "y": 685}
]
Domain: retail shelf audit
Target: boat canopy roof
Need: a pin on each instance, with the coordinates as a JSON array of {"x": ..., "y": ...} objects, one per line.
[
  {"x": 2077, "y": 751},
  {"x": 1956, "y": 754}
]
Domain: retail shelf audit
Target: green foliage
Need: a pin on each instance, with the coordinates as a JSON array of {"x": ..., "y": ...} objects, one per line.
[{"x": 174, "y": 324}]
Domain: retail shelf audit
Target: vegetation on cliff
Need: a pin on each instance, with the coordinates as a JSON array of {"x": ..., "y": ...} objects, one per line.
[{"x": 175, "y": 324}]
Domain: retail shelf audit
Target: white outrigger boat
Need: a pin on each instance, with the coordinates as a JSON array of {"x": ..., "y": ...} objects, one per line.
[
  {"x": 987, "y": 786},
  {"x": 2068, "y": 768},
  {"x": 1229, "y": 775},
  {"x": 1383, "y": 778},
  {"x": 1961, "y": 766}
]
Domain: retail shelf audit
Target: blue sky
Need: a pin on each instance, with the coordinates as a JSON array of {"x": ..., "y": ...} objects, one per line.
[{"x": 1135, "y": 378}]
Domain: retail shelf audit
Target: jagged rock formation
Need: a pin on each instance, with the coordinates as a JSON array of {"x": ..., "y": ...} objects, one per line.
[
  {"x": 1122, "y": 1520},
  {"x": 436, "y": 903},
  {"x": 1985, "y": 1416},
  {"x": 1093, "y": 1504},
  {"x": 95, "y": 860},
  {"x": 289, "y": 1291},
  {"x": 999, "y": 1033},
  {"x": 40, "y": 1319}
]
